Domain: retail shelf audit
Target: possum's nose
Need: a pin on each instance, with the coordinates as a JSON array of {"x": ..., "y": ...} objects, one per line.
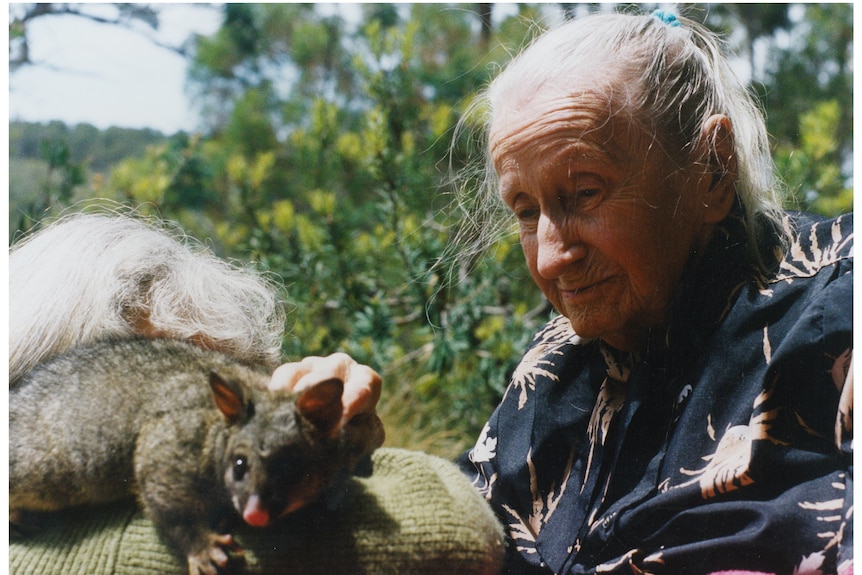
[{"x": 254, "y": 514}]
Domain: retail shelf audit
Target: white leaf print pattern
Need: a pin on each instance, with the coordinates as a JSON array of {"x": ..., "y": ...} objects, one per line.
[
  {"x": 609, "y": 402},
  {"x": 524, "y": 377},
  {"x": 842, "y": 370},
  {"x": 800, "y": 263},
  {"x": 556, "y": 334},
  {"x": 767, "y": 347},
  {"x": 611, "y": 398},
  {"x": 484, "y": 451},
  {"x": 727, "y": 468},
  {"x": 830, "y": 515},
  {"x": 810, "y": 565},
  {"x": 525, "y": 530}
]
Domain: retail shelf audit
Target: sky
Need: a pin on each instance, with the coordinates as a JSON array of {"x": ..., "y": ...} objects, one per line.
[{"x": 107, "y": 75}]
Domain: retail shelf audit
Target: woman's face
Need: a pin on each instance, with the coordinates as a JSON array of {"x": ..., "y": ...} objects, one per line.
[{"x": 607, "y": 221}]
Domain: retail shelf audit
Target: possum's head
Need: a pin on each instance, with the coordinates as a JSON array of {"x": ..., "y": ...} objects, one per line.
[{"x": 280, "y": 451}]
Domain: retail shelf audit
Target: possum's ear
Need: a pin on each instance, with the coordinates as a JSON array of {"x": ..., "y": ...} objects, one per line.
[
  {"x": 321, "y": 404},
  {"x": 228, "y": 397}
]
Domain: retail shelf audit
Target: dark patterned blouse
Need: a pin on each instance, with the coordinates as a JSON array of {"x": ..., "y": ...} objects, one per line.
[{"x": 724, "y": 445}]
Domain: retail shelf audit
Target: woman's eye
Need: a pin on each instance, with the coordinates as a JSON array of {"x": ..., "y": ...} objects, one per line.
[
  {"x": 580, "y": 200},
  {"x": 526, "y": 214},
  {"x": 525, "y": 209}
]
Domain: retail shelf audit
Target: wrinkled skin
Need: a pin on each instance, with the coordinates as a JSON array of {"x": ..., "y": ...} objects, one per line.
[{"x": 607, "y": 219}]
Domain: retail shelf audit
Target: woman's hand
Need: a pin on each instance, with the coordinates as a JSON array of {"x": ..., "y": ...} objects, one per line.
[{"x": 361, "y": 383}]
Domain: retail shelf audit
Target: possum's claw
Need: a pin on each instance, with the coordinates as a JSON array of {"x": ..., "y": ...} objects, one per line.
[{"x": 215, "y": 558}]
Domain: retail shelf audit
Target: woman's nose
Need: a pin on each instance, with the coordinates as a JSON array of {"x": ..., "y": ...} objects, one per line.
[{"x": 559, "y": 246}]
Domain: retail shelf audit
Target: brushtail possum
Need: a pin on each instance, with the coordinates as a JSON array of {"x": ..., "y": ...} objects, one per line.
[{"x": 195, "y": 435}]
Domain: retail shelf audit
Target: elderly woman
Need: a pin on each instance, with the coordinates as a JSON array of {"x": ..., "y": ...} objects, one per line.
[{"x": 689, "y": 410}]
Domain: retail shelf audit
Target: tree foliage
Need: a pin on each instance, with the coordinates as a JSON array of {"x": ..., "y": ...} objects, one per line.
[{"x": 322, "y": 158}]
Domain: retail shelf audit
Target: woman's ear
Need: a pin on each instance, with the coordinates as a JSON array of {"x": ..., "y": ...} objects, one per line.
[{"x": 718, "y": 184}]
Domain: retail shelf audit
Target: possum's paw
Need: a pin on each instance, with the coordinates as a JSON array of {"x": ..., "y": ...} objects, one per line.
[{"x": 217, "y": 558}]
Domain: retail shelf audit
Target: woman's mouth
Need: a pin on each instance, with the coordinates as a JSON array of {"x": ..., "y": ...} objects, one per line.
[{"x": 582, "y": 293}]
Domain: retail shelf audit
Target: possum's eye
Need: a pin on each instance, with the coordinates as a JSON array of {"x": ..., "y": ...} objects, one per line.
[{"x": 240, "y": 467}]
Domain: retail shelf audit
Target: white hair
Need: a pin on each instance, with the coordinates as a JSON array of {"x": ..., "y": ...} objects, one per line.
[
  {"x": 673, "y": 78},
  {"x": 90, "y": 276}
]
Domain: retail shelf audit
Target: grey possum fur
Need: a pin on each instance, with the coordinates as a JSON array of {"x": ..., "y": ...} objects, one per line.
[{"x": 194, "y": 434}]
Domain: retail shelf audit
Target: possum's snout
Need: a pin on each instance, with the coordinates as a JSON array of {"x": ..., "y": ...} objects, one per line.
[{"x": 254, "y": 513}]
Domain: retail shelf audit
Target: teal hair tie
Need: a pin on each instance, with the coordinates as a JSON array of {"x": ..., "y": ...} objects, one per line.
[{"x": 668, "y": 18}]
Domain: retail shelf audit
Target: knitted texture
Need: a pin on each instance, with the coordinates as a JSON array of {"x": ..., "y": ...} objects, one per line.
[{"x": 415, "y": 514}]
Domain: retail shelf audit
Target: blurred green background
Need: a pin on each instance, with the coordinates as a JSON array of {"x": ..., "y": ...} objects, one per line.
[{"x": 323, "y": 157}]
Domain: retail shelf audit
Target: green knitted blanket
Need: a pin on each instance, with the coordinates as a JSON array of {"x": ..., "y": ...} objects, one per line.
[{"x": 415, "y": 514}]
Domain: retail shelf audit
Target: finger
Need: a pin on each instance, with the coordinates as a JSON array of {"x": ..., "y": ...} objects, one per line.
[
  {"x": 361, "y": 391},
  {"x": 362, "y": 385},
  {"x": 285, "y": 376},
  {"x": 311, "y": 370}
]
